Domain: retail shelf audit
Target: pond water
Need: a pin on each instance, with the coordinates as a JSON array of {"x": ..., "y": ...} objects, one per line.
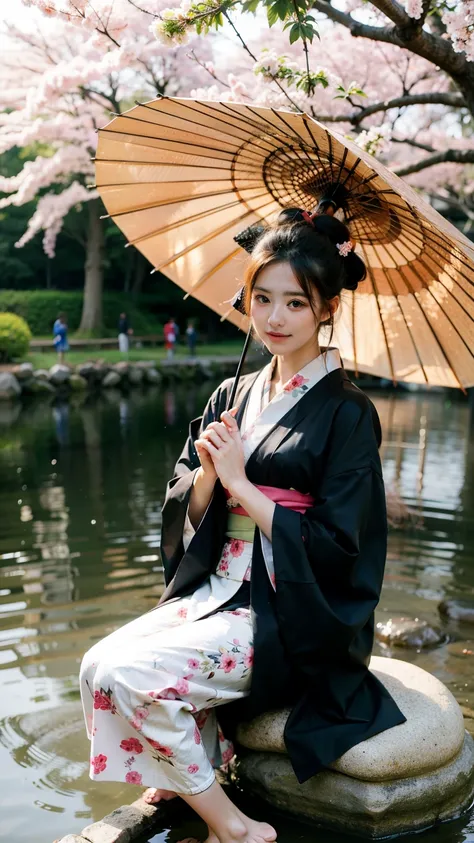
[{"x": 81, "y": 486}]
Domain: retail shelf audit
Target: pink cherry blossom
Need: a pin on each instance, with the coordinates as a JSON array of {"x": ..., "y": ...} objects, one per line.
[
  {"x": 295, "y": 382},
  {"x": 193, "y": 664},
  {"x": 163, "y": 750},
  {"x": 102, "y": 702},
  {"x": 182, "y": 612},
  {"x": 182, "y": 686},
  {"x": 248, "y": 658},
  {"x": 99, "y": 763},
  {"x": 237, "y": 547},
  {"x": 132, "y": 777},
  {"x": 228, "y": 662},
  {"x": 132, "y": 745},
  {"x": 141, "y": 712},
  {"x": 193, "y": 768}
]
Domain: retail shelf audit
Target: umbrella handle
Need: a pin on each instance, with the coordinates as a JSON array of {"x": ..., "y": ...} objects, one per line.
[{"x": 233, "y": 392}]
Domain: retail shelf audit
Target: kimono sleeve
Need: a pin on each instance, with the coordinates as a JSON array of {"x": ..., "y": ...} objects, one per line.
[
  {"x": 329, "y": 562},
  {"x": 179, "y": 489}
]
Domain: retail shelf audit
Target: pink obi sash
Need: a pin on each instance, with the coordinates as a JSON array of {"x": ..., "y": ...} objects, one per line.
[{"x": 290, "y": 498}]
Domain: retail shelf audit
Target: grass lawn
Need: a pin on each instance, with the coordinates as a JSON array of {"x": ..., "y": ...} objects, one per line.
[{"x": 44, "y": 360}]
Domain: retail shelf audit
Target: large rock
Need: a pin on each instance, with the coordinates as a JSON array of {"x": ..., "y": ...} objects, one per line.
[
  {"x": 409, "y": 632},
  {"x": 402, "y": 779},
  {"x": 369, "y": 809},
  {"x": 457, "y": 610},
  {"x": 87, "y": 371},
  {"x": 111, "y": 379},
  {"x": 77, "y": 382},
  {"x": 153, "y": 376},
  {"x": 9, "y": 386},
  {"x": 38, "y": 387},
  {"x": 41, "y": 374},
  {"x": 23, "y": 372},
  {"x": 135, "y": 375},
  {"x": 59, "y": 374}
]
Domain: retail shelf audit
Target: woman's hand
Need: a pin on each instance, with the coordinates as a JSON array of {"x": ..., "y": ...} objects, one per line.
[
  {"x": 208, "y": 471},
  {"x": 223, "y": 444}
]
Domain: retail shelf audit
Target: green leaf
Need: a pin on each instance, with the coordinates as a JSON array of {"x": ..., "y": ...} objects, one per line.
[
  {"x": 295, "y": 33},
  {"x": 250, "y": 6}
]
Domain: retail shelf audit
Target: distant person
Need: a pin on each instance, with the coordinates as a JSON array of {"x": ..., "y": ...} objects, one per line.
[
  {"x": 191, "y": 338},
  {"x": 124, "y": 332},
  {"x": 60, "y": 336},
  {"x": 171, "y": 332}
]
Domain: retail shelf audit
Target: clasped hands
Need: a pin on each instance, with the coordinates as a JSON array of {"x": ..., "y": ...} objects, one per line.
[{"x": 220, "y": 452}]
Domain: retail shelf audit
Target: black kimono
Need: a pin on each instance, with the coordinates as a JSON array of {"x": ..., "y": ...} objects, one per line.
[{"x": 314, "y": 627}]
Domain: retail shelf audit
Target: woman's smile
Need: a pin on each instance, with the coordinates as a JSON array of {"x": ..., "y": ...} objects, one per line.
[{"x": 275, "y": 336}]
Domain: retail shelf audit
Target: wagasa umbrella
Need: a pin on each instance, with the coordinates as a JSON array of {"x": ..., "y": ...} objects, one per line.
[{"x": 183, "y": 178}]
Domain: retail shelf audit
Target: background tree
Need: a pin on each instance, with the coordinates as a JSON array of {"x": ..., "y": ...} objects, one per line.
[
  {"x": 400, "y": 80},
  {"x": 62, "y": 74}
]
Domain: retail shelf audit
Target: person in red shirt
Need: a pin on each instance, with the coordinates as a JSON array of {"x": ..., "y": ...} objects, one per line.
[{"x": 171, "y": 332}]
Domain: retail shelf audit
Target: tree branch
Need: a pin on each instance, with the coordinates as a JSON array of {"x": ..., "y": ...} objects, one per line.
[
  {"x": 454, "y": 156},
  {"x": 441, "y": 98},
  {"x": 393, "y": 11},
  {"x": 409, "y": 142},
  {"x": 434, "y": 49},
  {"x": 252, "y": 56},
  {"x": 456, "y": 100}
]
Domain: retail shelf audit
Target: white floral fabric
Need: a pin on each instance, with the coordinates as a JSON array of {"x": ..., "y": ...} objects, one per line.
[{"x": 149, "y": 692}]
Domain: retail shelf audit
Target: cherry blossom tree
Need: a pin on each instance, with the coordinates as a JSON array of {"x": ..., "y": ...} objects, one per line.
[
  {"x": 63, "y": 73},
  {"x": 398, "y": 78}
]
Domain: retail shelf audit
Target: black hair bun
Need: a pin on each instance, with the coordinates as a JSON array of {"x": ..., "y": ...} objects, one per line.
[
  {"x": 337, "y": 233},
  {"x": 356, "y": 271}
]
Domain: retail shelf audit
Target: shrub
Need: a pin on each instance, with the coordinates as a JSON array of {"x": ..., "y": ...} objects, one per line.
[{"x": 15, "y": 337}]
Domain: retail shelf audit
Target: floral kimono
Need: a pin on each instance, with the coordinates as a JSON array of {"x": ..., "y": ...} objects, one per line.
[{"x": 247, "y": 624}]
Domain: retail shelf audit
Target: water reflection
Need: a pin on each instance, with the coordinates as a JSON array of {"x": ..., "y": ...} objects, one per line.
[{"x": 81, "y": 489}]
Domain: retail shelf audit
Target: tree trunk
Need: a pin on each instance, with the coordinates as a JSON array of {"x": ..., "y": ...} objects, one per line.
[
  {"x": 91, "y": 319},
  {"x": 140, "y": 271}
]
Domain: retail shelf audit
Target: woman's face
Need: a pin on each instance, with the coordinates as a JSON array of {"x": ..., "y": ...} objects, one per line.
[{"x": 281, "y": 313}]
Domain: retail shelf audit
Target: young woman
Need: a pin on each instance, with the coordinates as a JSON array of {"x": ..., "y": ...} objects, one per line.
[{"x": 273, "y": 544}]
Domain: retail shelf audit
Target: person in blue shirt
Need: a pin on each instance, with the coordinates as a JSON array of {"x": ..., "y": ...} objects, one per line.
[{"x": 60, "y": 341}]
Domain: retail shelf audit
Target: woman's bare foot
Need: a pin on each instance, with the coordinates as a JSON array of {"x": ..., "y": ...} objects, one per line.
[
  {"x": 154, "y": 794},
  {"x": 242, "y": 829}
]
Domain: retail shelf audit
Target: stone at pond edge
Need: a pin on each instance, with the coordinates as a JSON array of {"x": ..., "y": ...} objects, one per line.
[
  {"x": 9, "y": 386},
  {"x": 37, "y": 387},
  {"x": 152, "y": 376},
  {"x": 59, "y": 374},
  {"x": 111, "y": 379},
  {"x": 23, "y": 372},
  {"x": 87, "y": 370},
  {"x": 432, "y": 736},
  {"x": 372, "y": 809},
  {"x": 77, "y": 382},
  {"x": 122, "y": 825},
  {"x": 71, "y": 838},
  {"x": 135, "y": 375},
  {"x": 409, "y": 632},
  {"x": 41, "y": 374},
  {"x": 457, "y": 610}
]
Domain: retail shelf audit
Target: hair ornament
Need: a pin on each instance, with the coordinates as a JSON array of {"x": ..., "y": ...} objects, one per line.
[
  {"x": 308, "y": 217},
  {"x": 345, "y": 248}
]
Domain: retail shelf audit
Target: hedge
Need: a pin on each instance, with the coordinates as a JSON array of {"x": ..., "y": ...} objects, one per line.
[{"x": 40, "y": 309}]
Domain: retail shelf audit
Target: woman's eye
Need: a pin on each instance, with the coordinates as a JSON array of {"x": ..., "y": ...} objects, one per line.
[
  {"x": 296, "y": 304},
  {"x": 261, "y": 298}
]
